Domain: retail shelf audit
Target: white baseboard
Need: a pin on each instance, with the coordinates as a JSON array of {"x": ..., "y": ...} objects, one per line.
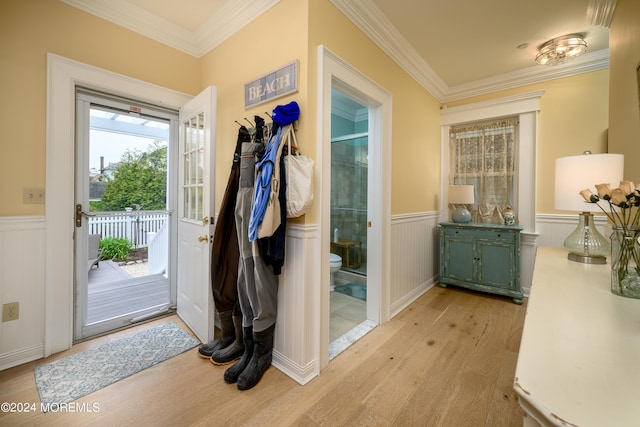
[
  {"x": 405, "y": 301},
  {"x": 23, "y": 355},
  {"x": 299, "y": 373}
]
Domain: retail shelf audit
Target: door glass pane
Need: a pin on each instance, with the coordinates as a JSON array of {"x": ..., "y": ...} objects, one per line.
[{"x": 193, "y": 161}]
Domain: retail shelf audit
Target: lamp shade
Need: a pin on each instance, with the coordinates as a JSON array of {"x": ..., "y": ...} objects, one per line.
[
  {"x": 461, "y": 194},
  {"x": 576, "y": 173}
]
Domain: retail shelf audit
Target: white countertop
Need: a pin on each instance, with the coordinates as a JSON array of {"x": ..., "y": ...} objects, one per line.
[{"x": 579, "y": 359}]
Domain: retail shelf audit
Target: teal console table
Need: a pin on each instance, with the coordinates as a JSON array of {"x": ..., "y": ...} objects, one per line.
[{"x": 482, "y": 257}]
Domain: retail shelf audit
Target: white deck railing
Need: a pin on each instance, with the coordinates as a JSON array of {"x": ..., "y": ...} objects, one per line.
[
  {"x": 133, "y": 225},
  {"x": 158, "y": 250}
]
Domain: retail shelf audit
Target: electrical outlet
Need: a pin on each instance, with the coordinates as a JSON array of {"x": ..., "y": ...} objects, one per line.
[
  {"x": 10, "y": 311},
  {"x": 33, "y": 195}
]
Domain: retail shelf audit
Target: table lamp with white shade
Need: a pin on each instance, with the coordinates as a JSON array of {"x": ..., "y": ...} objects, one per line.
[
  {"x": 574, "y": 174},
  {"x": 461, "y": 195}
]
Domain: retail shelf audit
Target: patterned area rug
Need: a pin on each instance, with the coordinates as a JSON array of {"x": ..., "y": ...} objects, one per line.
[
  {"x": 80, "y": 374},
  {"x": 353, "y": 289}
]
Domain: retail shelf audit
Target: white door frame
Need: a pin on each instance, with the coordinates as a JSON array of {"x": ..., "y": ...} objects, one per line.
[
  {"x": 331, "y": 70},
  {"x": 63, "y": 75}
]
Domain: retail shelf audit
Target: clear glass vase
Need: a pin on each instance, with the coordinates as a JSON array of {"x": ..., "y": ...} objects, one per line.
[{"x": 625, "y": 261}]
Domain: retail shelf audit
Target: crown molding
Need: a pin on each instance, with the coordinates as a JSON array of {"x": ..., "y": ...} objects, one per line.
[
  {"x": 598, "y": 60},
  {"x": 375, "y": 25},
  {"x": 236, "y": 14},
  {"x": 368, "y": 17},
  {"x": 232, "y": 17},
  {"x": 600, "y": 12}
]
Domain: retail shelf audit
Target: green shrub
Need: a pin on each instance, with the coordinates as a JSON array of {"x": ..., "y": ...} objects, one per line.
[{"x": 115, "y": 248}]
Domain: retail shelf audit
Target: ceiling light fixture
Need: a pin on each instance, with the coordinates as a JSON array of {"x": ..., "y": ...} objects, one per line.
[{"x": 561, "y": 49}]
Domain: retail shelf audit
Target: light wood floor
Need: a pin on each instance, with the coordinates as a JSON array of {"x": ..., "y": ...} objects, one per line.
[{"x": 447, "y": 360}]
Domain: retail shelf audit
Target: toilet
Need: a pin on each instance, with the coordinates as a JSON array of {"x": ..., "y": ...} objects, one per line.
[{"x": 335, "y": 262}]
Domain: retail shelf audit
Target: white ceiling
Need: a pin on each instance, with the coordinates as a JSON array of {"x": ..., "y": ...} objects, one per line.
[{"x": 454, "y": 48}]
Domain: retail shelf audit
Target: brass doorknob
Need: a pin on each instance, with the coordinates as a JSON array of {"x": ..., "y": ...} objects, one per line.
[{"x": 203, "y": 239}]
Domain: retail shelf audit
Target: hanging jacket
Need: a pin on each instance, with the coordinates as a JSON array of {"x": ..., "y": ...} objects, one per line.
[
  {"x": 225, "y": 253},
  {"x": 272, "y": 248},
  {"x": 262, "y": 188}
]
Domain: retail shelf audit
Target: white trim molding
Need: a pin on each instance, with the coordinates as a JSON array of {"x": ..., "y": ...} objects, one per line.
[
  {"x": 598, "y": 60},
  {"x": 63, "y": 76},
  {"x": 375, "y": 25},
  {"x": 334, "y": 72},
  {"x": 600, "y": 12},
  {"x": 526, "y": 107},
  {"x": 228, "y": 20}
]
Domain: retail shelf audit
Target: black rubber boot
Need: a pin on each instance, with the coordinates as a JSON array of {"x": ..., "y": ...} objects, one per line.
[
  {"x": 227, "y": 336},
  {"x": 260, "y": 360},
  {"x": 231, "y": 375},
  {"x": 233, "y": 351}
]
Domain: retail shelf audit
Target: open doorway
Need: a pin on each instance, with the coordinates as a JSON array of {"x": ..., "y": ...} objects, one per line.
[
  {"x": 123, "y": 220},
  {"x": 349, "y": 215},
  {"x": 338, "y": 77}
]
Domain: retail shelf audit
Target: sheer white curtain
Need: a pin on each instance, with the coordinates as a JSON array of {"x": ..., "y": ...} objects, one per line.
[{"x": 483, "y": 154}]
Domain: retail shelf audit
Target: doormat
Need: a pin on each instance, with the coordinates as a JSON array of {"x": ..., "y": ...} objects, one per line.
[
  {"x": 353, "y": 289},
  {"x": 80, "y": 374}
]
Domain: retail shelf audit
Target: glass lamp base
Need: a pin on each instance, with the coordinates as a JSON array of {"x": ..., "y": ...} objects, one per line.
[
  {"x": 585, "y": 244},
  {"x": 461, "y": 215}
]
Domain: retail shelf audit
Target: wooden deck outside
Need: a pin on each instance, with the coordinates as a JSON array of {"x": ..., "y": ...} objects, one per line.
[{"x": 115, "y": 293}]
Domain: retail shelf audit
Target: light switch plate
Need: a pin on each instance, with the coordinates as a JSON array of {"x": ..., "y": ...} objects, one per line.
[{"x": 33, "y": 196}]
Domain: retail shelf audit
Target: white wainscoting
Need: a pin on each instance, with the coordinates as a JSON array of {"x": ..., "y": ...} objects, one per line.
[
  {"x": 415, "y": 257},
  {"x": 297, "y": 336},
  {"x": 414, "y": 270},
  {"x": 553, "y": 229},
  {"x": 22, "y": 281}
]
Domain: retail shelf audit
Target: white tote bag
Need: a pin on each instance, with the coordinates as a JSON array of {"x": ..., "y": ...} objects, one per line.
[{"x": 299, "y": 179}]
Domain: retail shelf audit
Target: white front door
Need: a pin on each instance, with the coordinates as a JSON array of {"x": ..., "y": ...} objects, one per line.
[{"x": 195, "y": 209}]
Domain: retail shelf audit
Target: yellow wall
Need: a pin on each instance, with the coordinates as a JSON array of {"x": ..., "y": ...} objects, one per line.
[
  {"x": 573, "y": 118},
  {"x": 295, "y": 30},
  {"x": 574, "y": 114},
  {"x": 273, "y": 40},
  {"x": 415, "y": 174},
  {"x": 624, "y": 114},
  {"x": 28, "y": 30}
]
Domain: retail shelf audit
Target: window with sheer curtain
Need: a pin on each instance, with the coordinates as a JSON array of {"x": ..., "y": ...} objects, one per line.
[{"x": 483, "y": 154}]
